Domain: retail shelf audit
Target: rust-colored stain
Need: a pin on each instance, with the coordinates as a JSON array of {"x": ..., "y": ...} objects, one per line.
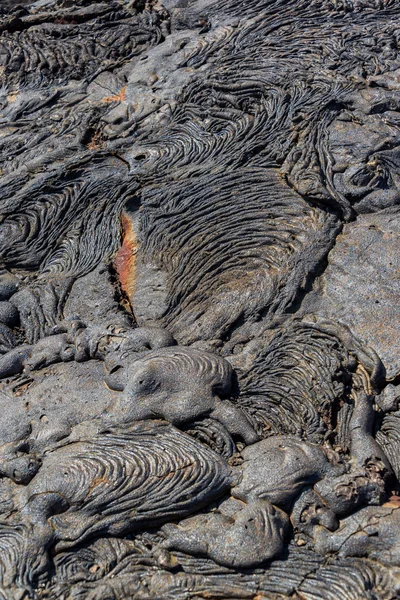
[
  {"x": 120, "y": 97},
  {"x": 97, "y": 481},
  {"x": 393, "y": 502},
  {"x": 96, "y": 143},
  {"x": 21, "y": 388},
  {"x": 125, "y": 260}
]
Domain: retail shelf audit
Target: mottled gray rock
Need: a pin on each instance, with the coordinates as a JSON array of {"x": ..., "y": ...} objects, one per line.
[
  {"x": 361, "y": 285},
  {"x": 199, "y": 282},
  {"x": 94, "y": 300}
]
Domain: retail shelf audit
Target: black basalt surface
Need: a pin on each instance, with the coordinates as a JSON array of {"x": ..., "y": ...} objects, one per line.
[{"x": 199, "y": 299}]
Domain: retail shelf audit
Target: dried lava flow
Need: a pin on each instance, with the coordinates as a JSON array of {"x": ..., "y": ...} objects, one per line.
[{"x": 178, "y": 183}]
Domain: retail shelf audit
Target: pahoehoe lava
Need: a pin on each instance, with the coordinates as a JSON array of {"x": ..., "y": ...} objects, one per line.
[{"x": 199, "y": 322}]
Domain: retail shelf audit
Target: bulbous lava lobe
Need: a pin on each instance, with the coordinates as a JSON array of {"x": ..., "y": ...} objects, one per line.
[{"x": 180, "y": 385}]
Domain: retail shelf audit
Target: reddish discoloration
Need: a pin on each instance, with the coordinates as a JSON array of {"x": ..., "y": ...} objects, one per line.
[
  {"x": 120, "y": 97},
  {"x": 125, "y": 260},
  {"x": 96, "y": 143},
  {"x": 393, "y": 502}
]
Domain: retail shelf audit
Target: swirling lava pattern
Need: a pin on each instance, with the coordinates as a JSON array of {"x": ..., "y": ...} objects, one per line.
[
  {"x": 110, "y": 484},
  {"x": 193, "y": 193},
  {"x": 147, "y": 476}
]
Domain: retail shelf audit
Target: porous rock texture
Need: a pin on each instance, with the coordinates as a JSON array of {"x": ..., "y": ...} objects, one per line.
[{"x": 199, "y": 299}]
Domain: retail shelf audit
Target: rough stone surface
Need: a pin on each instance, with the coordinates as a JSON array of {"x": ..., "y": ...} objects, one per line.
[
  {"x": 199, "y": 290},
  {"x": 361, "y": 285}
]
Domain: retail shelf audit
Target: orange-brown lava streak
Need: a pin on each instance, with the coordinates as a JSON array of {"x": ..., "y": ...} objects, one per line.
[
  {"x": 125, "y": 259},
  {"x": 120, "y": 97}
]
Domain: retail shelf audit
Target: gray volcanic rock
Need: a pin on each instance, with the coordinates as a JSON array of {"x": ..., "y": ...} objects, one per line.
[
  {"x": 361, "y": 285},
  {"x": 199, "y": 291}
]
